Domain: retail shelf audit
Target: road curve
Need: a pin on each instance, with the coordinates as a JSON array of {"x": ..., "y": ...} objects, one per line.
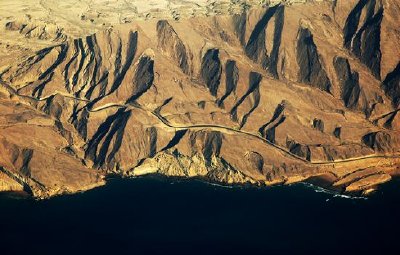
[{"x": 209, "y": 126}]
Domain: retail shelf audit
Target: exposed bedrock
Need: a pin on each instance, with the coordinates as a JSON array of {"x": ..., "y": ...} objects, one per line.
[
  {"x": 364, "y": 39},
  {"x": 90, "y": 67},
  {"x": 256, "y": 46},
  {"x": 14, "y": 26},
  {"x": 94, "y": 75},
  {"x": 211, "y": 70},
  {"x": 179, "y": 134},
  {"x": 15, "y": 166},
  {"x": 172, "y": 45},
  {"x": 53, "y": 107},
  {"x": 111, "y": 103},
  {"x": 318, "y": 124},
  {"x": 391, "y": 85},
  {"x": 20, "y": 71},
  {"x": 298, "y": 149},
  {"x": 63, "y": 49},
  {"x": 311, "y": 70},
  {"x": 41, "y": 31},
  {"x": 352, "y": 22},
  {"x": 366, "y": 44},
  {"x": 19, "y": 157},
  {"x": 252, "y": 94},
  {"x": 106, "y": 142},
  {"x": 337, "y": 132},
  {"x": 277, "y": 39},
  {"x": 8, "y": 183},
  {"x": 390, "y": 120},
  {"x": 81, "y": 70},
  {"x": 239, "y": 23},
  {"x": 338, "y": 152},
  {"x": 130, "y": 56},
  {"x": 58, "y": 107},
  {"x": 144, "y": 77},
  {"x": 381, "y": 141},
  {"x": 232, "y": 78},
  {"x": 152, "y": 134},
  {"x": 348, "y": 81},
  {"x": 80, "y": 120},
  {"x": 75, "y": 64},
  {"x": 26, "y": 155},
  {"x": 268, "y": 130},
  {"x": 206, "y": 143},
  {"x": 255, "y": 161}
]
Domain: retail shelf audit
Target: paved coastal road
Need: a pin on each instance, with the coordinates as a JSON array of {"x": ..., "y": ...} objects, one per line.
[{"x": 208, "y": 126}]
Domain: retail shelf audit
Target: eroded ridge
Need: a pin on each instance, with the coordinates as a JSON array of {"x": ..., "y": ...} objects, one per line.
[{"x": 274, "y": 96}]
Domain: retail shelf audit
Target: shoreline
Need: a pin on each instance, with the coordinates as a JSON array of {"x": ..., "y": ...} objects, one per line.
[{"x": 317, "y": 185}]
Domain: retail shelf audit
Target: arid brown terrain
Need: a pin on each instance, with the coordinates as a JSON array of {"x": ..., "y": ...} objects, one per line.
[{"x": 266, "y": 95}]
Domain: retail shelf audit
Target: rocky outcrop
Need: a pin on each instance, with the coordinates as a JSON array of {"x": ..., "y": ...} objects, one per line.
[
  {"x": 239, "y": 23},
  {"x": 268, "y": 129},
  {"x": 39, "y": 164},
  {"x": 109, "y": 133},
  {"x": 337, "y": 132},
  {"x": 207, "y": 144},
  {"x": 256, "y": 46},
  {"x": 8, "y": 184},
  {"x": 277, "y": 40},
  {"x": 318, "y": 124},
  {"x": 144, "y": 77},
  {"x": 341, "y": 152},
  {"x": 172, "y": 45},
  {"x": 89, "y": 69},
  {"x": 232, "y": 78},
  {"x": 380, "y": 141},
  {"x": 311, "y": 70},
  {"x": 362, "y": 37},
  {"x": 122, "y": 69},
  {"x": 366, "y": 44},
  {"x": 201, "y": 103},
  {"x": 252, "y": 94},
  {"x": 362, "y": 179},
  {"x": 352, "y": 22},
  {"x": 391, "y": 85},
  {"x": 303, "y": 151},
  {"x": 349, "y": 82},
  {"x": 79, "y": 120},
  {"x": 368, "y": 182},
  {"x": 211, "y": 70},
  {"x": 255, "y": 161},
  {"x": 20, "y": 159},
  {"x": 37, "y": 30},
  {"x": 390, "y": 120}
]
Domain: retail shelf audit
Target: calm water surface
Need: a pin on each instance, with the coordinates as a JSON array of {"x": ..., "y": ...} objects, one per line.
[{"x": 156, "y": 216}]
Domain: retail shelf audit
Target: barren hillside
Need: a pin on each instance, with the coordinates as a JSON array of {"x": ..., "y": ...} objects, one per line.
[{"x": 266, "y": 95}]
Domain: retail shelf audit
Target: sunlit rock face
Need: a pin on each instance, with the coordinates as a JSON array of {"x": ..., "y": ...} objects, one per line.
[{"x": 273, "y": 94}]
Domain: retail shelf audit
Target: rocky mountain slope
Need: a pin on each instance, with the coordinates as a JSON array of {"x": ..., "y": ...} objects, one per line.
[
  {"x": 28, "y": 26},
  {"x": 271, "y": 95}
]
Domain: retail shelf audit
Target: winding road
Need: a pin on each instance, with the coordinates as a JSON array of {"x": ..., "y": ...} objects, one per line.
[
  {"x": 230, "y": 129},
  {"x": 219, "y": 128}
]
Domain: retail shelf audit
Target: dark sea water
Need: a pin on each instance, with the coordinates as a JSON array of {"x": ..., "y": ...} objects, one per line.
[{"x": 157, "y": 216}]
